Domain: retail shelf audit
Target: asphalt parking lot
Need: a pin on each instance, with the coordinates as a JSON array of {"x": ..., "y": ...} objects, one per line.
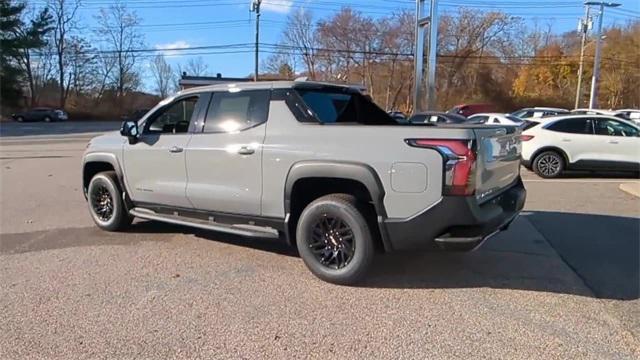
[{"x": 562, "y": 282}]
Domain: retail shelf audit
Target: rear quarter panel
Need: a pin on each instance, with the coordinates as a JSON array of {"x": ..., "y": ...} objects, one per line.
[{"x": 380, "y": 147}]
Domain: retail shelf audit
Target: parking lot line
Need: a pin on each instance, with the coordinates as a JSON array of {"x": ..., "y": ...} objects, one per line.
[{"x": 576, "y": 181}]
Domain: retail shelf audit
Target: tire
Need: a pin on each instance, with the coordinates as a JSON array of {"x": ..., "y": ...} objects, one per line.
[
  {"x": 47, "y": 119},
  {"x": 328, "y": 228},
  {"x": 20, "y": 119},
  {"x": 549, "y": 164},
  {"x": 104, "y": 193}
]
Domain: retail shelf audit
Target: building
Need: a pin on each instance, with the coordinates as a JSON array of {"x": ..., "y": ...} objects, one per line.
[{"x": 187, "y": 81}]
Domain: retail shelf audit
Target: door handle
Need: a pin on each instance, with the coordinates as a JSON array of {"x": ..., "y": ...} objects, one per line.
[
  {"x": 613, "y": 142},
  {"x": 175, "y": 149},
  {"x": 245, "y": 150},
  {"x": 566, "y": 140}
]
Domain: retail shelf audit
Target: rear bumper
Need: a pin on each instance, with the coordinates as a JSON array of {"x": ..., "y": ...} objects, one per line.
[{"x": 457, "y": 223}]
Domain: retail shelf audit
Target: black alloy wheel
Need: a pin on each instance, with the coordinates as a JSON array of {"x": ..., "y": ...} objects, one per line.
[{"x": 332, "y": 242}]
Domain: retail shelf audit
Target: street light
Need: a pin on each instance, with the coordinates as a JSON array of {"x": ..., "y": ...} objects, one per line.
[{"x": 596, "y": 61}]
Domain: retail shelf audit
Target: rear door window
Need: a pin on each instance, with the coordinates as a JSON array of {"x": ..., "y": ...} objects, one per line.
[
  {"x": 231, "y": 112},
  {"x": 573, "y": 126}
]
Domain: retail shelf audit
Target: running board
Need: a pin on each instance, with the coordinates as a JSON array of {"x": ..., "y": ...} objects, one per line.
[{"x": 239, "y": 229}]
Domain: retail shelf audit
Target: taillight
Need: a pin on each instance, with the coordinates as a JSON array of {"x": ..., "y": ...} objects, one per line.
[
  {"x": 459, "y": 163},
  {"x": 526, "y": 137}
]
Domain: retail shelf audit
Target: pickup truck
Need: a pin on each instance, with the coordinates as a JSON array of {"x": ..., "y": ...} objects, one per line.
[{"x": 316, "y": 164}]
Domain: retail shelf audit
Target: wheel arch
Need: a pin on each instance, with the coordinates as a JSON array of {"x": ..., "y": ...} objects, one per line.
[
  {"x": 313, "y": 179},
  {"x": 562, "y": 153},
  {"x": 98, "y": 162}
]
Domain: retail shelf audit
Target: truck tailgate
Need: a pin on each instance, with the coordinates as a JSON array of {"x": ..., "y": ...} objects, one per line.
[{"x": 498, "y": 159}]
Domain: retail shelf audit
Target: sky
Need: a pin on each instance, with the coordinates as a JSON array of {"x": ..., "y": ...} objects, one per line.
[{"x": 170, "y": 24}]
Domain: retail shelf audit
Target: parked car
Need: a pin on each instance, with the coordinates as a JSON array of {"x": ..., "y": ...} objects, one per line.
[
  {"x": 399, "y": 116},
  {"x": 631, "y": 114},
  {"x": 40, "y": 114},
  {"x": 435, "y": 117},
  {"x": 467, "y": 110},
  {"x": 495, "y": 118},
  {"x": 539, "y": 112},
  {"x": 319, "y": 165},
  {"x": 580, "y": 142}
]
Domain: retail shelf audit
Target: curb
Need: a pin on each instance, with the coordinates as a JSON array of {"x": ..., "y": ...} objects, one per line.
[{"x": 631, "y": 188}]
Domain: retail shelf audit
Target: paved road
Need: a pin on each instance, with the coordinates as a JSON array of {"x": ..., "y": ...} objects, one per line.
[
  {"x": 67, "y": 128},
  {"x": 562, "y": 282}
]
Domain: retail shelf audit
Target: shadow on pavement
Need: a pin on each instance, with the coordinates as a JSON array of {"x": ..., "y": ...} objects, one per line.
[
  {"x": 601, "y": 252},
  {"x": 277, "y": 246}
]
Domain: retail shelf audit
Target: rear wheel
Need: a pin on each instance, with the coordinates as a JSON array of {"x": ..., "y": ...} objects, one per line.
[
  {"x": 105, "y": 202},
  {"x": 548, "y": 164},
  {"x": 335, "y": 240},
  {"x": 20, "y": 119},
  {"x": 47, "y": 119}
]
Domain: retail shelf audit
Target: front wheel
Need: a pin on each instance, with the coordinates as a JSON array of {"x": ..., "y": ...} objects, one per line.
[
  {"x": 105, "y": 202},
  {"x": 335, "y": 240},
  {"x": 549, "y": 164},
  {"x": 47, "y": 119}
]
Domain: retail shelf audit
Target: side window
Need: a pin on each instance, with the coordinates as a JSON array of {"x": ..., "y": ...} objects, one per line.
[
  {"x": 615, "y": 128},
  {"x": 480, "y": 119},
  {"x": 495, "y": 120},
  {"x": 230, "y": 112},
  {"x": 573, "y": 126},
  {"x": 173, "y": 119}
]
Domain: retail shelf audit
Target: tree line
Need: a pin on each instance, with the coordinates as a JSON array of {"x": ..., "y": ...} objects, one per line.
[
  {"x": 483, "y": 56},
  {"x": 49, "y": 58}
]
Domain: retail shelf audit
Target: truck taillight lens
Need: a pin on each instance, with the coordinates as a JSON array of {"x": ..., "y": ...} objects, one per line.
[
  {"x": 459, "y": 163},
  {"x": 526, "y": 137}
]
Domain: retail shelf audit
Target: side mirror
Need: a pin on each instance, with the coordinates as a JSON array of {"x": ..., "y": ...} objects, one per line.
[{"x": 130, "y": 130}]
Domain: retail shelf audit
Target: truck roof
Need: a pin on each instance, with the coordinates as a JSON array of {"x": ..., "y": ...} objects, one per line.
[{"x": 265, "y": 85}]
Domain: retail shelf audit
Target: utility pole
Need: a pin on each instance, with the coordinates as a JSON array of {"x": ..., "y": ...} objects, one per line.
[
  {"x": 426, "y": 38},
  {"x": 593, "y": 101},
  {"x": 584, "y": 27},
  {"x": 255, "y": 7}
]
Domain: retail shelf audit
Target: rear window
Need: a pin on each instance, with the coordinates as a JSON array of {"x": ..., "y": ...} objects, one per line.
[
  {"x": 514, "y": 119},
  {"x": 332, "y": 106}
]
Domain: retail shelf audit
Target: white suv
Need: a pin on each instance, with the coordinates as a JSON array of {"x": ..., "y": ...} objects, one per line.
[{"x": 580, "y": 142}]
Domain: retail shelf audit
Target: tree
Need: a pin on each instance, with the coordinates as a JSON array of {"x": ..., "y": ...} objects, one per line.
[
  {"x": 162, "y": 74},
  {"x": 299, "y": 37},
  {"x": 196, "y": 67},
  {"x": 117, "y": 26},
  {"x": 32, "y": 38},
  {"x": 64, "y": 17},
  {"x": 10, "y": 45}
]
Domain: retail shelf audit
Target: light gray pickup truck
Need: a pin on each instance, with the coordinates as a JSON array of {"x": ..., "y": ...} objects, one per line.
[{"x": 317, "y": 164}]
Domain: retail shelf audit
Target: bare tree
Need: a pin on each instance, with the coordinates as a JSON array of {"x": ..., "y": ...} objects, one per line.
[
  {"x": 300, "y": 37},
  {"x": 117, "y": 25},
  {"x": 162, "y": 74},
  {"x": 196, "y": 67},
  {"x": 64, "y": 18}
]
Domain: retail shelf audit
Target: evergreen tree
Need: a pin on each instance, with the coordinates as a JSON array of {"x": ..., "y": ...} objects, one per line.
[{"x": 10, "y": 44}]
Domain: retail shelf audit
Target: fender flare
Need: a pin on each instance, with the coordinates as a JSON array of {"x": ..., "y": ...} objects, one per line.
[
  {"x": 359, "y": 172},
  {"x": 100, "y": 157}
]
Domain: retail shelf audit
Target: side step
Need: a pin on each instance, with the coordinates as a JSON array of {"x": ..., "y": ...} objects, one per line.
[{"x": 239, "y": 229}]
